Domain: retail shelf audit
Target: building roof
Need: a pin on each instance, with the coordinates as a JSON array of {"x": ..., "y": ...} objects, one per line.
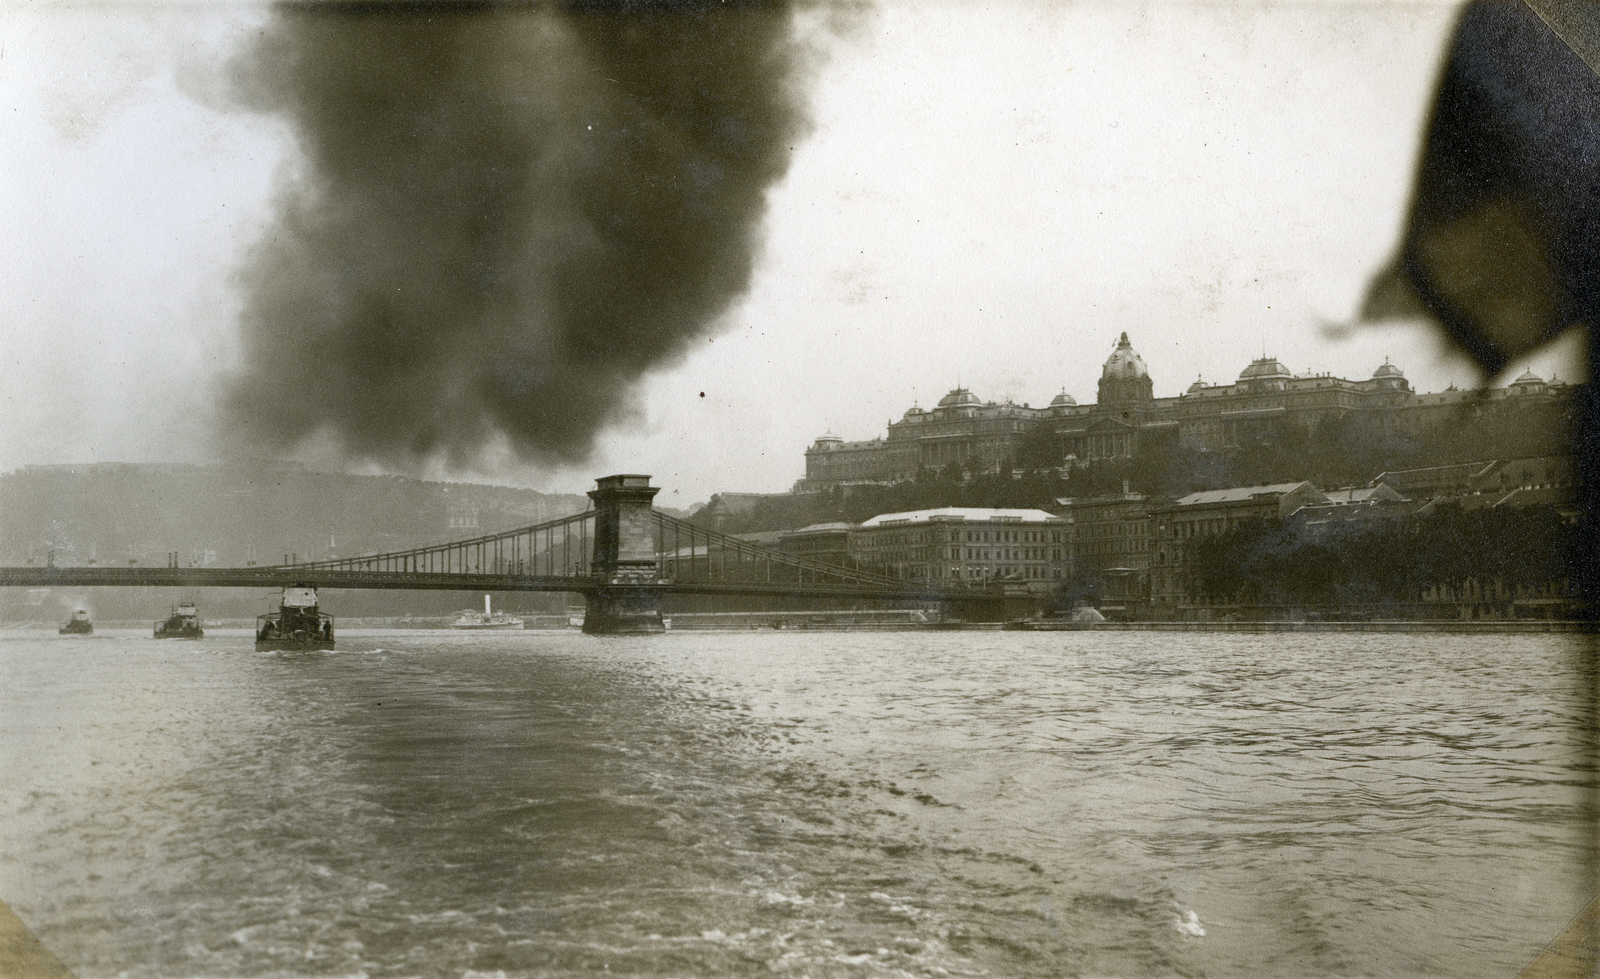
[
  {"x": 1363, "y": 494},
  {"x": 821, "y": 528},
  {"x": 1459, "y": 473},
  {"x": 1062, "y": 399},
  {"x": 1265, "y": 367},
  {"x": 767, "y": 538},
  {"x": 958, "y": 398},
  {"x": 1561, "y": 498},
  {"x": 956, "y": 514},
  {"x": 1124, "y": 361},
  {"x": 1387, "y": 369},
  {"x": 1239, "y": 494},
  {"x": 1323, "y": 517}
]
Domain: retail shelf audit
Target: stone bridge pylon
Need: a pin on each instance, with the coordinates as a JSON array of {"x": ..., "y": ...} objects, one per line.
[{"x": 626, "y": 602}]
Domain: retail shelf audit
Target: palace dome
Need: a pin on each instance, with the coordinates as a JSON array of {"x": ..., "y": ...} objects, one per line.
[
  {"x": 1198, "y": 385},
  {"x": 960, "y": 398},
  {"x": 1062, "y": 400},
  {"x": 1265, "y": 369},
  {"x": 1529, "y": 377},
  {"x": 1387, "y": 370},
  {"x": 1124, "y": 362}
]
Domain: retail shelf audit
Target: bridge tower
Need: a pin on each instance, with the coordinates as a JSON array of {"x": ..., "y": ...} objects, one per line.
[{"x": 625, "y": 557}]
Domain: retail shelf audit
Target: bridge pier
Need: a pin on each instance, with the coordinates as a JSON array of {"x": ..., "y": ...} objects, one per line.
[
  {"x": 623, "y": 612},
  {"x": 625, "y": 557}
]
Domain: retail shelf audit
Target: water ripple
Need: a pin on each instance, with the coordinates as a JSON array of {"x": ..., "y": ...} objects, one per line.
[{"x": 810, "y": 804}]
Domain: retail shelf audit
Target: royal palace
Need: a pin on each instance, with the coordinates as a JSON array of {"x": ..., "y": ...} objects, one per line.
[{"x": 965, "y": 433}]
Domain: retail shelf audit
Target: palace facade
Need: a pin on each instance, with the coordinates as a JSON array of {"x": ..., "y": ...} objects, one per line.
[{"x": 965, "y": 432}]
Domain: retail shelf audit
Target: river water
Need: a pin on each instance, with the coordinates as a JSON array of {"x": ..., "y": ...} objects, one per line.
[{"x": 808, "y": 804}]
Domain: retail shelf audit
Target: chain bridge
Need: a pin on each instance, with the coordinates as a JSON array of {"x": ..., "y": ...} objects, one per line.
[{"x": 623, "y": 555}]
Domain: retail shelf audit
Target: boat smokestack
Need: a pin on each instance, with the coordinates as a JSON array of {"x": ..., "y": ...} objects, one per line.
[{"x": 486, "y": 605}]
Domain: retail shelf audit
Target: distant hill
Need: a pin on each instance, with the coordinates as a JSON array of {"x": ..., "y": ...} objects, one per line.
[{"x": 226, "y": 515}]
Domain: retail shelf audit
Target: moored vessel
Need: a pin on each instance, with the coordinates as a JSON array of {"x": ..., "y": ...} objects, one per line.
[
  {"x": 298, "y": 624},
  {"x": 487, "y": 619},
  {"x": 78, "y": 625},
  {"x": 1082, "y": 617},
  {"x": 183, "y": 623}
]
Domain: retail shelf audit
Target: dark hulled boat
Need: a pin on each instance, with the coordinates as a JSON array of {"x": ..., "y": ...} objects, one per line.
[
  {"x": 183, "y": 623},
  {"x": 78, "y": 625},
  {"x": 298, "y": 624}
]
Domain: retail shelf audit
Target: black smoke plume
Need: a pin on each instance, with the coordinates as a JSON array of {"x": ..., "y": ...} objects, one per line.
[{"x": 504, "y": 217}]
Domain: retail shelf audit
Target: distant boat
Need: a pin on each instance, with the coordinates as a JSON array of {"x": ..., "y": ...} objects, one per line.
[
  {"x": 78, "y": 625},
  {"x": 183, "y": 623},
  {"x": 487, "y": 619},
  {"x": 297, "y": 625},
  {"x": 1083, "y": 617}
]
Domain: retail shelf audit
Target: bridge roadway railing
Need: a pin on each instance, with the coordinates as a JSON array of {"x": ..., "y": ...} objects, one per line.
[
  {"x": 276, "y": 576},
  {"x": 555, "y": 548}
]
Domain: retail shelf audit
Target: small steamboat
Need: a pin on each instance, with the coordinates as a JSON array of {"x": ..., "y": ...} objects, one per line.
[
  {"x": 78, "y": 625},
  {"x": 183, "y": 623},
  {"x": 297, "y": 624},
  {"x": 487, "y": 619}
]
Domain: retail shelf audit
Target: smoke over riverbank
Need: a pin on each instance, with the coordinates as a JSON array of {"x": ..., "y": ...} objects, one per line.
[{"x": 503, "y": 218}]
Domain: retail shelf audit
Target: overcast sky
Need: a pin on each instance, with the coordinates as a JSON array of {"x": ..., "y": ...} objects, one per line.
[{"x": 990, "y": 194}]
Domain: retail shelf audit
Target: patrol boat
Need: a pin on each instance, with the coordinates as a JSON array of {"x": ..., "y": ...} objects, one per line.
[
  {"x": 78, "y": 625},
  {"x": 183, "y": 623},
  {"x": 297, "y": 624}
]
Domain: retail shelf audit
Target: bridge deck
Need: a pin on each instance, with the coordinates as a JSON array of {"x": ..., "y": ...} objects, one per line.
[{"x": 277, "y": 577}]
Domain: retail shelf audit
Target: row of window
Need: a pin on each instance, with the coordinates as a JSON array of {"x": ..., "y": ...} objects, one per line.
[
  {"x": 890, "y": 539},
  {"x": 1037, "y": 572},
  {"x": 1202, "y": 528},
  {"x": 1119, "y": 528},
  {"x": 1103, "y": 446},
  {"x": 1010, "y": 536},
  {"x": 925, "y": 572},
  {"x": 1112, "y": 547},
  {"x": 1009, "y": 553},
  {"x": 882, "y": 539}
]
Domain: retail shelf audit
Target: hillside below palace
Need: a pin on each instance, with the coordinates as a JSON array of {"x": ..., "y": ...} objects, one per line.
[{"x": 1127, "y": 420}]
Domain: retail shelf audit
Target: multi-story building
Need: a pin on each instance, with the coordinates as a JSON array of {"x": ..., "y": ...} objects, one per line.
[
  {"x": 826, "y": 542},
  {"x": 961, "y": 431},
  {"x": 1352, "y": 511},
  {"x": 1127, "y": 420},
  {"x": 1111, "y": 544},
  {"x": 972, "y": 544},
  {"x": 1207, "y": 514}
]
